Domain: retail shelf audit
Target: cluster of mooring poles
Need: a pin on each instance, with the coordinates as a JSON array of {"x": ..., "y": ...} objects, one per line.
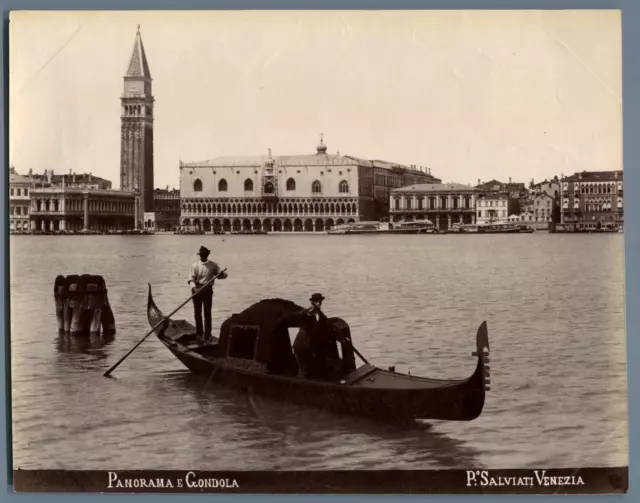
[{"x": 82, "y": 305}]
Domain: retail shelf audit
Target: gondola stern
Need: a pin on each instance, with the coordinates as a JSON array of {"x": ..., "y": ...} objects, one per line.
[
  {"x": 482, "y": 338},
  {"x": 482, "y": 352},
  {"x": 154, "y": 315}
]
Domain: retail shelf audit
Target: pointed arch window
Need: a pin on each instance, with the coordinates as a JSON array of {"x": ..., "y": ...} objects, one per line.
[
  {"x": 248, "y": 185},
  {"x": 343, "y": 188},
  {"x": 222, "y": 185},
  {"x": 291, "y": 184},
  {"x": 316, "y": 187},
  {"x": 197, "y": 185}
]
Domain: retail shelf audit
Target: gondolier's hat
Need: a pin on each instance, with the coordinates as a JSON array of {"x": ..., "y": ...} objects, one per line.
[
  {"x": 203, "y": 251},
  {"x": 317, "y": 297}
]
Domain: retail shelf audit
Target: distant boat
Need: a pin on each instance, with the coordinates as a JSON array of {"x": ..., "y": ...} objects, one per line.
[
  {"x": 247, "y": 232},
  {"x": 588, "y": 228},
  {"x": 495, "y": 228},
  {"x": 413, "y": 227}
]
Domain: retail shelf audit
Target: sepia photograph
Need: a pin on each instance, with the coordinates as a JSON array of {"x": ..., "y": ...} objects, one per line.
[{"x": 244, "y": 252}]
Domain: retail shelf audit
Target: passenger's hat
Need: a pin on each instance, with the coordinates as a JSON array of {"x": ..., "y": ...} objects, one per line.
[
  {"x": 203, "y": 251},
  {"x": 316, "y": 297}
]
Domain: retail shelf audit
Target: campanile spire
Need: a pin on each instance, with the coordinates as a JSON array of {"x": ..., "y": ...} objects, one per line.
[{"x": 136, "y": 129}]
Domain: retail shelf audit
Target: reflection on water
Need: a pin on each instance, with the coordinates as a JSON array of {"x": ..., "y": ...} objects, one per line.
[
  {"x": 554, "y": 307},
  {"x": 286, "y": 425},
  {"x": 90, "y": 345}
]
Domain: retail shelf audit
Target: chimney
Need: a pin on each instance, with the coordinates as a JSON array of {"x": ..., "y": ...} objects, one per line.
[
  {"x": 479, "y": 182},
  {"x": 89, "y": 175},
  {"x": 509, "y": 179},
  {"x": 12, "y": 170},
  {"x": 49, "y": 174},
  {"x": 30, "y": 172},
  {"x": 73, "y": 179}
]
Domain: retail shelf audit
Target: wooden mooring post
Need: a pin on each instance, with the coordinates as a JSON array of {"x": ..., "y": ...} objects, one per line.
[{"x": 82, "y": 305}]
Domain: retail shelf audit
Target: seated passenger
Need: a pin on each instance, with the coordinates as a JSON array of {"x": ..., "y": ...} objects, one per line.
[{"x": 315, "y": 345}]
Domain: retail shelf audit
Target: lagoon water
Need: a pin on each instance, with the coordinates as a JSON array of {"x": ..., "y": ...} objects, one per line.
[{"x": 554, "y": 305}]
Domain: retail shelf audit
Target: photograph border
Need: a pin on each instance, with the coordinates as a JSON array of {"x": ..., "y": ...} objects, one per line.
[{"x": 631, "y": 155}]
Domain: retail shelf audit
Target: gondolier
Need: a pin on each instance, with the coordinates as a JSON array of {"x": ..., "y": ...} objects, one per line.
[
  {"x": 314, "y": 347},
  {"x": 202, "y": 272}
]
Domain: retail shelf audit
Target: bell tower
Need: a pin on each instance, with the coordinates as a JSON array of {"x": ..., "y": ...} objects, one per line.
[{"x": 136, "y": 131}]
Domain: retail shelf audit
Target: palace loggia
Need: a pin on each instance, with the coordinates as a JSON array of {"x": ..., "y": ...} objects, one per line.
[{"x": 285, "y": 193}]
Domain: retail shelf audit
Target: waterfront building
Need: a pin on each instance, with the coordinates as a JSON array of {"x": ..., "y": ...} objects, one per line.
[
  {"x": 136, "y": 131},
  {"x": 76, "y": 202},
  {"x": 166, "y": 211},
  {"x": 60, "y": 208},
  {"x": 444, "y": 204},
  {"x": 71, "y": 180},
  {"x": 544, "y": 208},
  {"x": 514, "y": 189},
  {"x": 389, "y": 176},
  {"x": 592, "y": 199},
  {"x": 495, "y": 207},
  {"x": 19, "y": 186},
  {"x": 549, "y": 187},
  {"x": 309, "y": 193}
]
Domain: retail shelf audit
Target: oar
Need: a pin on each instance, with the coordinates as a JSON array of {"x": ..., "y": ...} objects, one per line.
[
  {"x": 358, "y": 353},
  {"x": 352, "y": 346},
  {"x": 108, "y": 372}
]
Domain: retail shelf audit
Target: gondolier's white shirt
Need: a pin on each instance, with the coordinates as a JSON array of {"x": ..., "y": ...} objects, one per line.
[{"x": 201, "y": 272}]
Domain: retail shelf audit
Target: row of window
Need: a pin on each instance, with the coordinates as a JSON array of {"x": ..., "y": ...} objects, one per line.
[
  {"x": 608, "y": 188},
  {"x": 606, "y": 205},
  {"x": 20, "y": 192},
  {"x": 78, "y": 205},
  {"x": 432, "y": 203},
  {"x": 316, "y": 186},
  {"x": 19, "y": 210},
  {"x": 135, "y": 110},
  {"x": 492, "y": 213},
  {"x": 492, "y": 203},
  {"x": 317, "y": 208}
]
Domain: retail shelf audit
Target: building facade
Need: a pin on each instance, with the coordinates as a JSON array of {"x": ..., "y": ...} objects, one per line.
[
  {"x": 593, "y": 199},
  {"x": 549, "y": 187},
  {"x": 19, "y": 187},
  {"x": 61, "y": 208},
  {"x": 388, "y": 176},
  {"x": 71, "y": 180},
  {"x": 495, "y": 208},
  {"x": 280, "y": 193},
  {"x": 444, "y": 204},
  {"x": 166, "y": 211},
  {"x": 136, "y": 131},
  {"x": 514, "y": 189},
  {"x": 544, "y": 208}
]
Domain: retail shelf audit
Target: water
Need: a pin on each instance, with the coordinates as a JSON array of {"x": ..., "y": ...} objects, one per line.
[{"x": 554, "y": 305}]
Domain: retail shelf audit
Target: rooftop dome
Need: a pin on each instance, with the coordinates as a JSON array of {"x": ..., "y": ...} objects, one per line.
[{"x": 321, "y": 148}]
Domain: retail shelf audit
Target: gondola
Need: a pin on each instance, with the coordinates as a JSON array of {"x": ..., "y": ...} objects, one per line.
[{"x": 254, "y": 353}]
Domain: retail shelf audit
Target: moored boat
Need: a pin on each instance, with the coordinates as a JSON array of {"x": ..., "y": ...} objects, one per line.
[
  {"x": 249, "y": 233},
  {"x": 254, "y": 353},
  {"x": 384, "y": 227},
  {"x": 494, "y": 228}
]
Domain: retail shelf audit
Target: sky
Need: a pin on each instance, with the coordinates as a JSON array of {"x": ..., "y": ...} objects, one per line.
[{"x": 469, "y": 94}]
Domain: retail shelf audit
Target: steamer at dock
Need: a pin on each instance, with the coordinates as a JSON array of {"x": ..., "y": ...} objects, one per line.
[{"x": 384, "y": 227}]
